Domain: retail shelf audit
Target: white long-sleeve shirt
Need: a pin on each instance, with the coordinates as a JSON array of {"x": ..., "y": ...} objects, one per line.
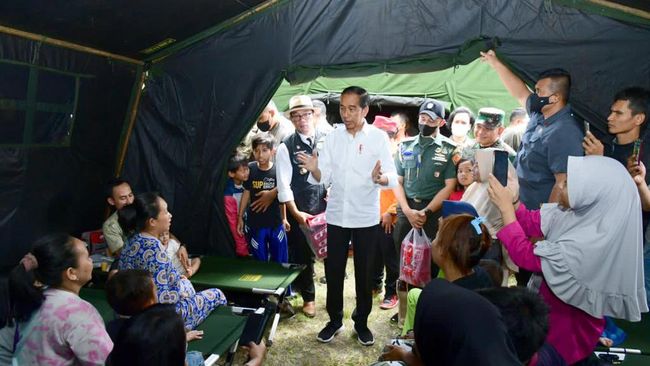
[{"x": 346, "y": 163}]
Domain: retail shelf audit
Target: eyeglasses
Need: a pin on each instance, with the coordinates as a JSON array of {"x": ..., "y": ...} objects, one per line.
[{"x": 298, "y": 117}]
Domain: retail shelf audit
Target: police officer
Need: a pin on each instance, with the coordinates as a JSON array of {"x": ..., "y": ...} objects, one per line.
[{"x": 487, "y": 132}]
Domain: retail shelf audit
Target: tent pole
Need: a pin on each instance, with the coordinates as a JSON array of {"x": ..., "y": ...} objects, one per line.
[
  {"x": 65, "y": 44},
  {"x": 129, "y": 120},
  {"x": 625, "y": 9}
]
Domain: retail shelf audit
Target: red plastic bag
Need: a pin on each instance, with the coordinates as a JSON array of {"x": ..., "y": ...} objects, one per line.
[
  {"x": 415, "y": 259},
  {"x": 316, "y": 234}
]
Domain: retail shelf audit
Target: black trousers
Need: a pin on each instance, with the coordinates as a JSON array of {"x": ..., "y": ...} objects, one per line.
[
  {"x": 364, "y": 240},
  {"x": 387, "y": 257},
  {"x": 300, "y": 253}
]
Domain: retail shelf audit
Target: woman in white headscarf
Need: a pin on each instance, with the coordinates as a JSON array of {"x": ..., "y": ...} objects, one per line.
[
  {"x": 477, "y": 195},
  {"x": 590, "y": 261}
]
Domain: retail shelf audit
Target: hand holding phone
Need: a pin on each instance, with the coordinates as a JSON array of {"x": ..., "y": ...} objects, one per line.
[
  {"x": 636, "y": 152},
  {"x": 500, "y": 167}
]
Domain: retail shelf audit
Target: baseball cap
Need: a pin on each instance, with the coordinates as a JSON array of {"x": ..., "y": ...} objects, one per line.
[
  {"x": 433, "y": 109},
  {"x": 457, "y": 208}
]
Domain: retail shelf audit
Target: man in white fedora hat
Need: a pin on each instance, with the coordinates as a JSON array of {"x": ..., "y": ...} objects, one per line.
[{"x": 303, "y": 199}]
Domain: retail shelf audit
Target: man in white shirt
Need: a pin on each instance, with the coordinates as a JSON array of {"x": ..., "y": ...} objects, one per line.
[
  {"x": 302, "y": 198},
  {"x": 355, "y": 162}
]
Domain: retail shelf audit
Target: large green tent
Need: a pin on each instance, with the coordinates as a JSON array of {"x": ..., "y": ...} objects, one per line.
[{"x": 161, "y": 91}]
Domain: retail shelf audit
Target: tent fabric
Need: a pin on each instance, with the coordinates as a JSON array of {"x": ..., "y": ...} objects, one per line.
[
  {"x": 122, "y": 27},
  {"x": 59, "y": 186},
  {"x": 475, "y": 85},
  {"x": 201, "y": 101}
]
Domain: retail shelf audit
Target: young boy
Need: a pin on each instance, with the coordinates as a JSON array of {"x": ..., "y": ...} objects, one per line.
[
  {"x": 237, "y": 174},
  {"x": 266, "y": 227}
]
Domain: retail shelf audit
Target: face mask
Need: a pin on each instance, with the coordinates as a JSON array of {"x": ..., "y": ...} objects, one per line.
[
  {"x": 264, "y": 126},
  {"x": 537, "y": 102},
  {"x": 459, "y": 130},
  {"x": 426, "y": 130}
]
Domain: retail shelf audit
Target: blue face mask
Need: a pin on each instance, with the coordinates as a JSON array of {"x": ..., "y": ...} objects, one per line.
[{"x": 537, "y": 103}]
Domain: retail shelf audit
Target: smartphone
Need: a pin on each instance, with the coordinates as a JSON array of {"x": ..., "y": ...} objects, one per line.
[
  {"x": 637, "y": 151},
  {"x": 500, "y": 167},
  {"x": 586, "y": 125}
]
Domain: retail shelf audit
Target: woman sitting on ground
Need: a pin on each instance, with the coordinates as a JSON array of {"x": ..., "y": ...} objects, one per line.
[
  {"x": 589, "y": 264},
  {"x": 144, "y": 221},
  {"x": 460, "y": 243},
  {"x": 52, "y": 324}
]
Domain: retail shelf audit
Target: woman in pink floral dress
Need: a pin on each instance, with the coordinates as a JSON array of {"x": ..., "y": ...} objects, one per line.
[{"x": 52, "y": 324}]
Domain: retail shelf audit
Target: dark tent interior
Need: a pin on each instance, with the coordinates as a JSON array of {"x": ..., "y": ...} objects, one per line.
[{"x": 162, "y": 91}]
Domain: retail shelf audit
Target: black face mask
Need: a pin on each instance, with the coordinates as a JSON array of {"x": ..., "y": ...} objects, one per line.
[
  {"x": 426, "y": 130},
  {"x": 537, "y": 103},
  {"x": 264, "y": 126}
]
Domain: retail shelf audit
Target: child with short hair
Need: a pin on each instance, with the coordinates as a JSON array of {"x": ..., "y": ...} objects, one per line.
[
  {"x": 178, "y": 255},
  {"x": 238, "y": 173},
  {"x": 265, "y": 226},
  {"x": 129, "y": 292},
  {"x": 465, "y": 177}
]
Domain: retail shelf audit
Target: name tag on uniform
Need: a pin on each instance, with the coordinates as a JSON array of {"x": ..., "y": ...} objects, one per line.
[
  {"x": 439, "y": 157},
  {"x": 408, "y": 157}
]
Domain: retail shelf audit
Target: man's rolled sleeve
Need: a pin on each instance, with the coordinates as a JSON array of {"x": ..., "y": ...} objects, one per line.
[
  {"x": 113, "y": 234},
  {"x": 399, "y": 169},
  {"x": 325, "y": 167},
  {"x": 388, "y": 164},
  {"x": 284, "y": 172}
]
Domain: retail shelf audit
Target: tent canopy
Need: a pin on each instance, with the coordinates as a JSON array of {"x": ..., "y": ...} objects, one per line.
[
  {"x": 204, "y": 90},
  {"x": 475, "y": 85}
]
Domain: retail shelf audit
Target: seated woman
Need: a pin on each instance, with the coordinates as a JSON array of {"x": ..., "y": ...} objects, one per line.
[
  {"x": 477, "y": 195},
  {"x": 52, "y": 324},
  {"x": 457, "y": 327},
  {"x": 144, "y": 221},
  {"x": 460, "y": 243},
  {"x": 589, "y": 264},
  {"x": 178, "y": 255}
]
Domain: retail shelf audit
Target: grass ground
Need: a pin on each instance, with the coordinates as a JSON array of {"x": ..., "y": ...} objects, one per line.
[{"x": 295, "y": 340}]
